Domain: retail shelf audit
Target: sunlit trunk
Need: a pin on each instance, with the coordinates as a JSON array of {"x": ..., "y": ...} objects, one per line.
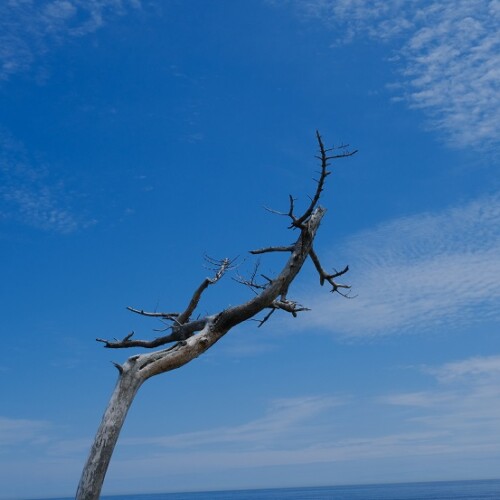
[{"x": 105, "y": 440}]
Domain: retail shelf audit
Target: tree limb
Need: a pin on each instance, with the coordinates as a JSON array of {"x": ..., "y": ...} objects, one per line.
[
  {"x": 285, "y": 305},
  {"x": 182, "y": 328},
  {"x": 179, "y": 333},
  {"x": 324, "y": 276},
  {"x": 324, "y": 159},
  {"x": 170, "y": 316},
  {"x": 222, "y": 266},
  {"x": 288, "y": 248}
]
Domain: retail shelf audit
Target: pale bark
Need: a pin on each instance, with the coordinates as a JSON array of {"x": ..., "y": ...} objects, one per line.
[{"x": 105, "y": 440}]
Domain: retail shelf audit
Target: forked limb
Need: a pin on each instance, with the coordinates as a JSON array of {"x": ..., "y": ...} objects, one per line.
[
  {"x": 324, "y": 276},
  {"x": 182, "y": 328}
]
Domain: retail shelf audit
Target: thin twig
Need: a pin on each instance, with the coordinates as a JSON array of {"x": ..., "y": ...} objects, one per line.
[{"x": 162, "y": 315}]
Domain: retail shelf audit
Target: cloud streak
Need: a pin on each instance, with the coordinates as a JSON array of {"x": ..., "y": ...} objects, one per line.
[
  {"x": 455, "y": 418},
  {"x": 465, "y": 405},
  {"x": 417, "y": 273},
  {"x": 458, "y": 414},
  {"x": 29, "y": 194},
  {"x": 283, "y": 418},
  {"x": 472, "y": 368},
  {"x": 28, "y": 29},
  {"x": 14, "y": 432},
  {"x": 446, "y": 53}
]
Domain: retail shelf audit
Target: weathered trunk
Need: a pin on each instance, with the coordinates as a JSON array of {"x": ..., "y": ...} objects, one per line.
[
  {"x": 133, "y": 373},
  {"x": 105, "y": 440}
]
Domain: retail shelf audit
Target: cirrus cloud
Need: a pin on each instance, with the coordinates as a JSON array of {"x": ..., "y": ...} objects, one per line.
[
  {"x": 446, "y": 55},
  {"x": 417, "y": 273},
  {"x": 30, "y": 194},
  {"x": 30, "y": 29}
]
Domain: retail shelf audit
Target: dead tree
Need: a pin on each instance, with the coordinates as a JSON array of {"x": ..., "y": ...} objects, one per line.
[{"x": 192, "y": 337}]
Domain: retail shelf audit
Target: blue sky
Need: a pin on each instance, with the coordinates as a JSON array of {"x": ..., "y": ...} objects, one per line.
[{"x": 138, "y": 136}]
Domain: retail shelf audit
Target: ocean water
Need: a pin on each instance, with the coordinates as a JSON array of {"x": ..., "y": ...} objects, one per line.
[{"x": 453, "y": 490}]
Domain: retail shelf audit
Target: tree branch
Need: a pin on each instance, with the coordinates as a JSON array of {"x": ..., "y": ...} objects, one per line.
[
  {"x": 290, "y": 210},
  {"x": 179, "y": 333},
  {"x": 222, "y": 266},
  {"x": 182, "y": 328},
  {"x": 324, "y": 159},
  {"x": 285, "y": 305},
  {"x": 324, "y": 276},
  {"x": 288, "y": 248},
  {"x": 279, "y": 285},
  {"x": 170, "y": 316},
  {"x": 251, "y": 283}
]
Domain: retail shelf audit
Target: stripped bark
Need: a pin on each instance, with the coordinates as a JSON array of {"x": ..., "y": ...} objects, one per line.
[{"x": 192, "y": 338}]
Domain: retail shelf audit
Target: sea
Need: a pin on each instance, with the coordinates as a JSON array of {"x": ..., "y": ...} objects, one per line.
[{"x": 450, "y": 490}]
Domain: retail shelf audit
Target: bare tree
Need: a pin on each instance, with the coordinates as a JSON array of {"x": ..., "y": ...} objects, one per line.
[{"x": 192, "y": 337}]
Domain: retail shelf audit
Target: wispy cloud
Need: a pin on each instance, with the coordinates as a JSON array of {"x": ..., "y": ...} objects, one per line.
[
  {"x": 453, "y": 420},
  {"x": 283, "y": 418},
  {"x": 416, "y": 273},
  {"x": 456, "y": 419},
  {"x": 447, "y": 54},
  {"x": 21, "y": 431},
  {"x": 455, "y": 416},
  {"x": 472, "y": 368},
  {"x": 25, "y": 445},
  {"x": 29, "y": 194},
  {"x": 29, "y": 29},
  {"x": 465, "y": 404}
]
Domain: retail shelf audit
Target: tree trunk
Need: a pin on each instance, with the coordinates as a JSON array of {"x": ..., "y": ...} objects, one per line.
[{"x": 95, "y": 469}]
